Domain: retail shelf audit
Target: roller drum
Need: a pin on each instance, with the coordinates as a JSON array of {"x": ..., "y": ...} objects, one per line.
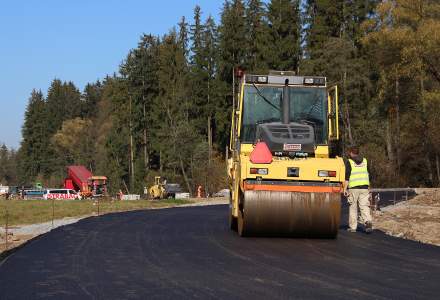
[{"x": 290, "y": 214}]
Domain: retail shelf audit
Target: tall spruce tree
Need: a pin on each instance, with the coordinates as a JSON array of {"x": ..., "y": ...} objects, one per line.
[
  {"x": 89, "y": 100},
  {"x": 63, "y": 102},
  {"x": 34, "y": 156},
  {"x": 232, "y": 39},
  {"x": 257, "y": 37},
  {"x": 285, "y": 34},
  {"x": 176, "y": 133},
  {"x": 198, "y": 69},
  {"x": 8, "y": 166},
  {"x": 114, "y": 146},
  {"x": 324, "y": 19}
]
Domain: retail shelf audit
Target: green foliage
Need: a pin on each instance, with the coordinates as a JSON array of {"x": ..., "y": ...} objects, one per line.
[
  {"x": 232, "y": 39},
  {"x": 258, "y": 40},
  {"x": 74, "y": 141},
  {"x": 401, "y": 43},
  {"x": 284, "y": 30},
  {"x": 33, "y": 151},
  {"x": 8, "y": 166}
]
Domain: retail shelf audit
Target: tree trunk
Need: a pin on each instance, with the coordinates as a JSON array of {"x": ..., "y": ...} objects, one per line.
[
  {"x": 125, "y": 185},
  {"x": 437, "y": 165},
  {"x": 347, "y": 113},
  {"x": 233, "y": 87},
  {"x": 160, "y": 162},
  {"x": 185, "y": 177},
  {"x": 389, "y": 141},
  {"x": 425, "y": 126},
  {"x": 146, "y": 158},
  {"x": 131, "y": 150},
  {"x": 209, "y": 129},
  {"x": 209, "y": 154},
  {"x": 397, "y": 136},
  {"x": 429, "y": 169}
]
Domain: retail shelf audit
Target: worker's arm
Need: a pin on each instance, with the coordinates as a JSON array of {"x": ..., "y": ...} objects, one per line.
[
  {"x": 369, "y": 175},
  {"x": 347, "y": 176}
]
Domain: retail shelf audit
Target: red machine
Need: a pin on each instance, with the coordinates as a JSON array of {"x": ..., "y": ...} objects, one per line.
[{"x": 83, "y": 181}]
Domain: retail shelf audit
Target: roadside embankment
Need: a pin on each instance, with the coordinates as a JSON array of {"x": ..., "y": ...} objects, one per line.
[{"x": 416, "y": 219}]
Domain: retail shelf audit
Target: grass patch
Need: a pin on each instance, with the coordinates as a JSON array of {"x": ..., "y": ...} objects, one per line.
[{"x": 39, "y": 211}]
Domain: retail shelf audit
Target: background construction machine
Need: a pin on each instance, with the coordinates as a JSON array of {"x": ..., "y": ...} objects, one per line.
[
  {"x": 80, "y": 179},
  {"x": 162, "y": 189},
  {"x": 285, "y": 175},
  {"x": 157, "y": 190}
]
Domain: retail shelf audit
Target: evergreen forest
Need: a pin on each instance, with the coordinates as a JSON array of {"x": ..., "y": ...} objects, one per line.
[{"x": 167, "y": 109}]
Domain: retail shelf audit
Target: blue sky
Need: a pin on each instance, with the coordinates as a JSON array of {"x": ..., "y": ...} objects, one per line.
[{"x": 73, "y": 40}]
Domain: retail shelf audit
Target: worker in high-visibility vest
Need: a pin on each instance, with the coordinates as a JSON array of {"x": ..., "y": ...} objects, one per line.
[{"x": 357, "y": 190}]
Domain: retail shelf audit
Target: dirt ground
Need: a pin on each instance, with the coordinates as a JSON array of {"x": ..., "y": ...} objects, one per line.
[
  {"x": 13, "y": 241},
  {"x": 416, "y": 219}
]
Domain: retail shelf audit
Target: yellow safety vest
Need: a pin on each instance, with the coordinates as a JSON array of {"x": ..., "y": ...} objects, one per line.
[{"x": 359, "y": 174}]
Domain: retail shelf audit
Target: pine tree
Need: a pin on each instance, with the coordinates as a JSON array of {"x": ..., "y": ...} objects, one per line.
[
  {"x": 199, "y": 76},
  {"x": 63, "y": 102},
  {"x": 140, "y": 72},
  {"x": 4, "y": 165},
  {"x": 257, "y": 38},
  {"x": 232, "y": 39},
  {"x": 90, "y": 98},
  {"x": 285, "y": 34},
  {"x": 33, "y": 148},
  {"x": 113, "y": 146},
  {"x": 324, "y": 19},
  {"x": 8, "y": 166},
  {"x": 183, "y": 35},
  {"x": 176, "y": 133}
]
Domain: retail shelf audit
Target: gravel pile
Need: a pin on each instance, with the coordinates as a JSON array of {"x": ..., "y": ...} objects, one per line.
[{"x": 416, "y": 219}]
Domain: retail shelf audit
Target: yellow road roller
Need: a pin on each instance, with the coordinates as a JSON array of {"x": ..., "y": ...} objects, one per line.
[
  {"x": 157, "y": 191},
  {"x": 284, "y": 171}
]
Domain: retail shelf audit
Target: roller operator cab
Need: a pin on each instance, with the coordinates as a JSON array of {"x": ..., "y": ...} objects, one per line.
[{"x": 284, "y": 172}]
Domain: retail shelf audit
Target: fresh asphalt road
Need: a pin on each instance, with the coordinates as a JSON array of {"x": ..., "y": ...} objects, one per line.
[{"x": 191, "y": 253}]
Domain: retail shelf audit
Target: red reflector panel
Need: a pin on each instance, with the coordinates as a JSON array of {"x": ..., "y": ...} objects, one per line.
[
  {"x": 331, "y": 173},
  {"x": 254, "y": 171},
  {"x": 261, "y": 154}
]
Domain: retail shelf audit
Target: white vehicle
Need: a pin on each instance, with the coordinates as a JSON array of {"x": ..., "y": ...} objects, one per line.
[{"x": 61, "y": 194}]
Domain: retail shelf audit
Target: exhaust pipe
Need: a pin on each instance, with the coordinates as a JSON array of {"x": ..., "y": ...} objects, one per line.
[{"x": 286, "y": 104}]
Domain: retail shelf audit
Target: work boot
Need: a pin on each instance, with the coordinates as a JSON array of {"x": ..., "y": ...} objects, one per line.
[
  {"x": 368, "y": 227},
  {"x": 351, "y": 230}
]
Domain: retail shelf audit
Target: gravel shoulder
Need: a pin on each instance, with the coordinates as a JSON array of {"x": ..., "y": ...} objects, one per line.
[{"x": 417, "y": 219}]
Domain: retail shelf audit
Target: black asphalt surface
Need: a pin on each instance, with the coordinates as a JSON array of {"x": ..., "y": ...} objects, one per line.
[{"x": 184, "y": 253}]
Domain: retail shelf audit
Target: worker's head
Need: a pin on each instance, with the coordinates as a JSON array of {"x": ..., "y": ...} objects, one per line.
[{"x": 353, "y": 151}]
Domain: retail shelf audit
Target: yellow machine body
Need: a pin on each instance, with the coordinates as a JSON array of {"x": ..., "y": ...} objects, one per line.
[
  {"x": 157, "y": 191},
  {"x": 274, "y": 202}
]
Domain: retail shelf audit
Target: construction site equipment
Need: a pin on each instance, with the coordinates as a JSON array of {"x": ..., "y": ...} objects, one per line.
[
  {"x": 284, "y": 172},
  {"x": 162, "y": 190},
  {"x": 157, "y": 191},
  {"x": 80, "y": 179}
]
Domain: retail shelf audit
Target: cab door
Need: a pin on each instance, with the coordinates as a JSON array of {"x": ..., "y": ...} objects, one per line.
[{"x": 333, "y": 114}]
